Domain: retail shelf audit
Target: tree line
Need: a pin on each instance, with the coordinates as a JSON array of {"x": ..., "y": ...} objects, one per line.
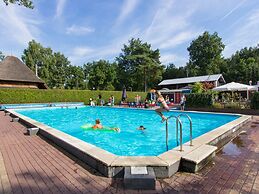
[
  {"x": 205, "y": 58},
  {"x": 138, "y": 66}
]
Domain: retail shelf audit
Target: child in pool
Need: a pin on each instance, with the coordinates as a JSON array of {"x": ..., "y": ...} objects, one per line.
[
  {"x": 98, "y": 125},
  {"x": 141, "y": 128}
]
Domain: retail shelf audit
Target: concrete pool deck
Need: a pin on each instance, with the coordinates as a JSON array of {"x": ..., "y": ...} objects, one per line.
[
  {"x": 32, "y": 164},
  {"x": 191, "y": 159}
]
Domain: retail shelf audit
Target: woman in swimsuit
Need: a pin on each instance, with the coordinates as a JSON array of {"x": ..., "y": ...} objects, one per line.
[{"x": 163, "y": 106}]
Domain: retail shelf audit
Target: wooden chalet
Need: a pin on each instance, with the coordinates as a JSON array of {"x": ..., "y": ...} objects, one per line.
[{"x": 15, "y": 74}]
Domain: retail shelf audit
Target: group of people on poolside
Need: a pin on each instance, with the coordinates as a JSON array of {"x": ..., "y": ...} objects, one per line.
[
  {"x": 163, "y": 108},
  {"x": 99, "y": 101}
]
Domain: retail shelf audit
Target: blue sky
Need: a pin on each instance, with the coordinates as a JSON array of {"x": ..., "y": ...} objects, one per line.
[{"x": 87, "y": 30}]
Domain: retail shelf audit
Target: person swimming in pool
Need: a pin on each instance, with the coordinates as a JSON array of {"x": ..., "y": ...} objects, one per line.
[
  {"x": 98, "y": 125},
  {"x": 141, "y": 128},
  {"x": 163, "y": 106}
]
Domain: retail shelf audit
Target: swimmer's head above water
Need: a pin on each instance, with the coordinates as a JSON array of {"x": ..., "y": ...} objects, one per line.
[{"x": 141, "y": 127}]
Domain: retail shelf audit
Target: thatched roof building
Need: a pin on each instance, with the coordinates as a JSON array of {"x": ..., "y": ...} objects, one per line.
[{"x": 15, "y": 74}]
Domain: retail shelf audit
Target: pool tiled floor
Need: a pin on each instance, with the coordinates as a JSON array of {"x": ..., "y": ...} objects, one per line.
[{"x": 31, "y": 164}]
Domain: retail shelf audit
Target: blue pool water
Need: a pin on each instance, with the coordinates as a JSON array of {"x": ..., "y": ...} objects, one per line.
[{"x": 130, "y": 141}]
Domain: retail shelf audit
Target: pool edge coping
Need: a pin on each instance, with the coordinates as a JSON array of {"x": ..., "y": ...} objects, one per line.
[{"x": 110, "y": 164}]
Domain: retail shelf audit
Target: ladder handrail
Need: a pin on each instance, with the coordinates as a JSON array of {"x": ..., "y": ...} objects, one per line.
[
  {"x": 177, "y": 119},
  {"x": 181, "y": 129},
  {"x": 190, "y": 120}
]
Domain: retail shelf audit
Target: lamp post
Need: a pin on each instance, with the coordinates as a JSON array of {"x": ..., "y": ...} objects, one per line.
[
  {"x": 37, "y": 65},
  {"x": 36, "y": 69},
  {"x": 145, "y": 80}
]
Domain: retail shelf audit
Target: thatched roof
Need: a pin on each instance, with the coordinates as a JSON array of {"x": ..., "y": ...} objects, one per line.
[{"x": 13, "y": 69}]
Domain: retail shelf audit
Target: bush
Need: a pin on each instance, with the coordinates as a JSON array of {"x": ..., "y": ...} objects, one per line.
[
  {"x": 217, "y": 105},
  {"x": 233, "y": 105},
  {"x": 199, "y": 100},
  {"x": 15, "y": 96},
  {"x": 197, "y": 88},
  {"x": 255, "y": 101}
]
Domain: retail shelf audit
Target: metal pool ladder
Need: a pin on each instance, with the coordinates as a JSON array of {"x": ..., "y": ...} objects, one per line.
[{"x": 178, "y": 121}]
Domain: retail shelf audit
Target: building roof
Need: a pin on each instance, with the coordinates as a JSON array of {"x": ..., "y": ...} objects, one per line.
[
  {"x": 205, "y": 78},
  {"x": 13, "y": 69},
  {"x": 168, "y": 91}
]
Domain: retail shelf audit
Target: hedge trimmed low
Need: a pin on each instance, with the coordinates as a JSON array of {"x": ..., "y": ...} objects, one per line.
[
  {"x": 255, "y": 101},
  {"x": 199, "y": 100},
  {"x": 15, "y": 96}
]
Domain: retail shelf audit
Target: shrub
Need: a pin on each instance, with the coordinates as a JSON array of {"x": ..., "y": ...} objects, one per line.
[
  {"x": 199, "y": 100},
  {"x": 217, "y": 105},
  {"x": 255, "y": 101},
  {"x": 233, "y": 105},
  {"x": 12, "y": 96},
  {"x": 197, "y": 88}
]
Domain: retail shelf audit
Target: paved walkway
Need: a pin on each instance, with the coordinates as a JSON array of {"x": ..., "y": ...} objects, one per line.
[{"x": 35, "y": 165}]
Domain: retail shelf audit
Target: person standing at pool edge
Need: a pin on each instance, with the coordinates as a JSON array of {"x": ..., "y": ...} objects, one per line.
[
  {"x": 163, "y": 106},
  {"x": 182, "y": 103},
  {"x": 112, "y": 100}
]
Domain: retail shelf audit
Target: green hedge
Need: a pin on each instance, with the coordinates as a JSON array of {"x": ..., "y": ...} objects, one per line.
[
  {"x": 255, "y": 101},
  {"x": 199, "y": 100},
  {"x": 15, "y": 96}
]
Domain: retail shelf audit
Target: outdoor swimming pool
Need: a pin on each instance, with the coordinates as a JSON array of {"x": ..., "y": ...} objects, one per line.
[{"x": 130, "y": 141}]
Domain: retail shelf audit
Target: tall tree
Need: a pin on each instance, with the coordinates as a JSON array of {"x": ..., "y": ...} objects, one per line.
[
  {"x": 74, "y": 78},
  {"x": 54, "y": 68},
  {"x": 205, "y": 54},
  {"x": 58, "y": 70},
  {"x": 102, "y": 75},
  {"x": 172, "y": 72},
  {"x": 25, "y": 3},
  {"x": 243, "y": 66},
  {"x": 139, "y": 66},
  {"x": 38, "y": 59}
]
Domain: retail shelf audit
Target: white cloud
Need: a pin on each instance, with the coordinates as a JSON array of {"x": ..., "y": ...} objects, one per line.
[
  {"x": 82, "y": 51},
  {"x": 169, "y": 27},
  {"x": 126, "y": 9},
  {"x": 60, "y": 7},
  {"x": 168, "y": 58},
  {"x": 232, "y": 10},
  {"x": 84, "y": 54},
  {"x": 18, "y": 25},
  {"x": 79, "y": 30},
  {"x": 179, "y": 38},
  {"x": 245, "y": 35}
]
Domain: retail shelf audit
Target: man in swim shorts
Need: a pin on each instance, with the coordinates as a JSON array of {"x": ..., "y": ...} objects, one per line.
[{"x": 163, "y": 106}]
